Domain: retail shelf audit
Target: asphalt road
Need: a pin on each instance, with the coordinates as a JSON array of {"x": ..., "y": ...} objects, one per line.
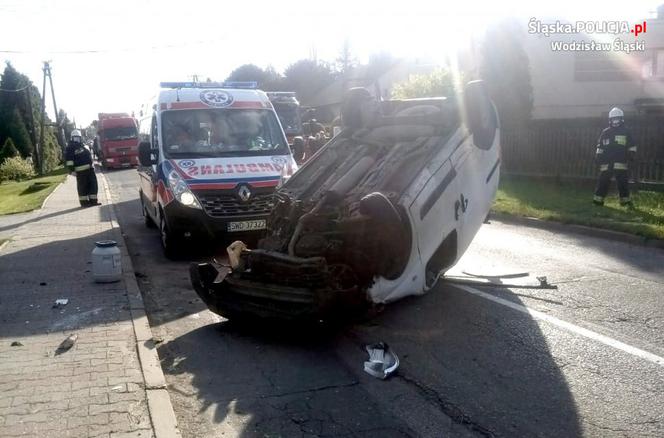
[{"x": 584, "y": 359}]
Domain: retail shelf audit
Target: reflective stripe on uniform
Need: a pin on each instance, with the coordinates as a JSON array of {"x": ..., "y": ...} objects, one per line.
[
  {"x": 82, "y": 167},
  {"x": 603, "y": 167},
  {"x": 599, "y": 151},
  {"x": 632, "y": 149},
  {"x": 598, "y": 198},
  {"x": 620, "y": 166},
  {"x": 83, "y": 198},
  {"x": 93, "y": 197},
  {"x": 69, "y": 163}
]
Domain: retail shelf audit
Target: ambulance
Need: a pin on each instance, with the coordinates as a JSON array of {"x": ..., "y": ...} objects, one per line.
[{"x": 211, "y": 155}]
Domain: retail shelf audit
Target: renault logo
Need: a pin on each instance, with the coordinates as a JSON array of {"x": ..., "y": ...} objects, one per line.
[{"x": 244, "y": 193}]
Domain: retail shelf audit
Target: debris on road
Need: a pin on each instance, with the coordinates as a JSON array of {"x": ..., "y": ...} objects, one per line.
[
  {"x": 511, "y": 275},
  {"x": 60, "y": 302},
  {"x": 523, "y": 282},
  {"x": 66, "y": 344},
  {"x": 16, "y": 344},
  {"x": 382, "y": 360}
]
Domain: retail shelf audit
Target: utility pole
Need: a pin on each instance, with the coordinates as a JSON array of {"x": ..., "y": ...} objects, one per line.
[
  {"x": 58, "y": 122},
  {"x": 58, "y": 125}
]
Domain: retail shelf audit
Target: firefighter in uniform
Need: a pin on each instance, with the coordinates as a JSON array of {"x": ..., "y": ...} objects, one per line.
[
  {"x": 78, "y": 159},
  {"x": 615, "y": 148}
]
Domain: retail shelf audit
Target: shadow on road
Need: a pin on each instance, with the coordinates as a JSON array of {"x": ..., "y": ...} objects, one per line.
[
  {"x": 32, "y": 279},
  {"x": 487, "y": 368},
  {"x": 36, "y": 218}
]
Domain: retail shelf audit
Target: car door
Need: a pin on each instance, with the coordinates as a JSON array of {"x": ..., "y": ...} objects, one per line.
[
  {"x": 476, "y": 162},
  {"x": 435, "y": 212},
  {"x": 148, "y": 174}
]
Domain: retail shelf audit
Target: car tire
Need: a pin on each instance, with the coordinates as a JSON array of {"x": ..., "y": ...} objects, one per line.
[{"x": 170, "y": 244}]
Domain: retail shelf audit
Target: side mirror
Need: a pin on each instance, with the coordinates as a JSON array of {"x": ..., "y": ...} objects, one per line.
[
  {"x": 481, "y": 117},
  {"x": 145, "y": 154}
]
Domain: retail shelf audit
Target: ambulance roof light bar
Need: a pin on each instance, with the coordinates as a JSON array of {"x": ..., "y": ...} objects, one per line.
[
  {"x": 249, "y": 85},
  {"x": 281, "y": 93}
]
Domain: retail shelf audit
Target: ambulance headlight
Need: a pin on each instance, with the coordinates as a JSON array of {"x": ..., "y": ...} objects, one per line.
[
  {"x": 181, "y": 191},
  {"x": 188, "y": 199}
]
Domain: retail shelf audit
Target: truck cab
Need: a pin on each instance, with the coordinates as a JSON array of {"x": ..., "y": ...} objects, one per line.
[
  {"x": 211, "y": 157},
  {"x": 116, "y": 143}
]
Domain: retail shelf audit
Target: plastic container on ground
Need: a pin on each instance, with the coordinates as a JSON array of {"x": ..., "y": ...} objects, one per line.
[{"x": 106, "y": 262}]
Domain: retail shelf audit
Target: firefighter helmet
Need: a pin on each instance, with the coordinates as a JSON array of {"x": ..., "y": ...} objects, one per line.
[
  {"x": 75, "y": 136},
  {"x": 616, "y": 112},
  {"x": 616, "y": 117}
]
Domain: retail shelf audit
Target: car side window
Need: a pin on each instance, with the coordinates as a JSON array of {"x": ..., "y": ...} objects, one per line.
[{"x": 154, "y": 138}]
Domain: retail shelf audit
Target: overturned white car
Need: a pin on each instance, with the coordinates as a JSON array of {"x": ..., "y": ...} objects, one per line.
[{"x": 377, "y": 214}]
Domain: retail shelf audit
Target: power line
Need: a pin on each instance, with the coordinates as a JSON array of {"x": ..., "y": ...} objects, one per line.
[
  {"x": 120, "y": 50},
  {"x": 15, "y": 91}
]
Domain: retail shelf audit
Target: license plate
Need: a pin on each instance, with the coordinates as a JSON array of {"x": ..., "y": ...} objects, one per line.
[{"x": 247, "y": 225}]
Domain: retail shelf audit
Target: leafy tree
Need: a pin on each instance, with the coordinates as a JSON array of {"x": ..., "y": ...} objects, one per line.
[
  {"x": 437, "y": 83},
  {"x": 273, "y": 81},
  {"x": 307, "y": 77},
  {"x": 18, "y": 132},
  {"x": 16, "y": 120},
  {"x": 8, "y": 150},
  {"x": 504, "y": 67},
  {"x": 268, "y": 79},
  {"x": 247, "y": 72}
]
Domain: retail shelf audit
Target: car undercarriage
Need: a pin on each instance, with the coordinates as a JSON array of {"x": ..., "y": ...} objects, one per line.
[{"x": 339, "y": 223}]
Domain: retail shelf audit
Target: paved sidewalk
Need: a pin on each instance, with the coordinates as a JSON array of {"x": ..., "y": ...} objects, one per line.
[{"x": 97, "y": 388}]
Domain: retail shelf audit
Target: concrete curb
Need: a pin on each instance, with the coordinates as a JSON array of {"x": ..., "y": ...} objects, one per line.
[
  {"x": 161, "y": 410},
  {"x": 51, "y": 194},
  {"x": 579, "y": 229}
]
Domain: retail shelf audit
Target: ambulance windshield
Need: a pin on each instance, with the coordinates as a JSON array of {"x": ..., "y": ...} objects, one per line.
[{"x": 221, "y": 132}]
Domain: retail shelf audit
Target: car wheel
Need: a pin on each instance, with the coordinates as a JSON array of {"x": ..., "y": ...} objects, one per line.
[{"x": 169, "y": 243}]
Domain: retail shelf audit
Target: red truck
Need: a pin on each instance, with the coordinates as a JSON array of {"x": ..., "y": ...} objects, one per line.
[{"x": 116, "y": 143}]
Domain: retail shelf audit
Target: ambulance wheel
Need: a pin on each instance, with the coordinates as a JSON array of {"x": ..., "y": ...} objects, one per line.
[{"x": 169, "y": 243}]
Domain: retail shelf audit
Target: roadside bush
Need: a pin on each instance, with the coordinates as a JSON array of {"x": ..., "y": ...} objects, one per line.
[
  {"x": 16, "y": 169},
  {"x": 8, "y": 150}
]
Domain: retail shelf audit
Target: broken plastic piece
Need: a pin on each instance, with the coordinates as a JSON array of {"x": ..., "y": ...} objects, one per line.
[
  {"x": 66, "y": 344},
  {"x": 382, "y": 360},
  {"x": 60, "y": 302},
  {"x": 234, "y": 250}
]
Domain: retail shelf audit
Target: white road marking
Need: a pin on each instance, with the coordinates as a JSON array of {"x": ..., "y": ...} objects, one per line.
[{"x": 567, "y": 326}]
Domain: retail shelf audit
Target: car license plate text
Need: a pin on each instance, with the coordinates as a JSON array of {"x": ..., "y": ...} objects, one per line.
[{"x": 247, "y": 225}]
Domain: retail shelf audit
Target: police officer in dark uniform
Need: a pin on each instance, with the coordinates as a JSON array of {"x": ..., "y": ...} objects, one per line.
[
  {"x": 78, "y": 159},
  {"x": 615, "y": 148}
]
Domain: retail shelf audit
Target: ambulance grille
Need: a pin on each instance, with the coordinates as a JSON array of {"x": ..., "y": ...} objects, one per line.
[{"x": 230, "y": 205}]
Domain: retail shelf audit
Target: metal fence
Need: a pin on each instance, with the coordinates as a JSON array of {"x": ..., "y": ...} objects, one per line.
[{"x": 564, "y": 148}]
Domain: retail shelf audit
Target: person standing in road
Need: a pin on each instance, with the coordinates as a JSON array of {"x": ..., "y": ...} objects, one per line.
[
  {"x": 78, "y": 160},
  {"x": 615, "y": 148}
]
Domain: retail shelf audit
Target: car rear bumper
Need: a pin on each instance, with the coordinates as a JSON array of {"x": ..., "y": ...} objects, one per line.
[{"x": 121, "y": 161}]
